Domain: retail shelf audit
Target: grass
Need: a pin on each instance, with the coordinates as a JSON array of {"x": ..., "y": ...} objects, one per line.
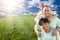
[{"x": 17, "y": 28}]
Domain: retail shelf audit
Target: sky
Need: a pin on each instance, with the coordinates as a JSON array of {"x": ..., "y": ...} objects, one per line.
[{"x": 16, "y": 7}]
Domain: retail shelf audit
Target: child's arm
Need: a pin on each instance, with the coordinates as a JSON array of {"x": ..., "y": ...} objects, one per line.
[
  {"x": 58, "y": 29},
  {"x": 54, "y": 16},
  {"x": 38, "y": 18}
]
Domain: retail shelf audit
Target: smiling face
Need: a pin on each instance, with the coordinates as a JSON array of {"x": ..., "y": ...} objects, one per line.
[
  {"x": 44, "y": 23},
  {"x": 46, "y": 27},
  {"x": 46, "y": 11}
]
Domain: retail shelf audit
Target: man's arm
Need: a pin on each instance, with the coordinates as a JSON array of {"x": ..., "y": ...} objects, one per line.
[
  {"x": 58, "y": 25},
  {"x": 38, "y": 33},
  {"x": 37, "y": 30}
]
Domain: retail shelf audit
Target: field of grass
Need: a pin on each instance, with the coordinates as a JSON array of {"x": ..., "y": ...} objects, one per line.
[{"x": 17, "y": 28}]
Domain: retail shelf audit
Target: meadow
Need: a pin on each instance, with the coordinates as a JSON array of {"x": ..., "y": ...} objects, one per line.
[{"x": 17, "y": 28}]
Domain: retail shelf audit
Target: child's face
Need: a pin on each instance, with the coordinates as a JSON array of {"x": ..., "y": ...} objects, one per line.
[{"x": 46, "y": 11}]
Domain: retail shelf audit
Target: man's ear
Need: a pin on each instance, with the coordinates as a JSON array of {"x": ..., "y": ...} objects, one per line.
[{"x": 49, "y": 20}]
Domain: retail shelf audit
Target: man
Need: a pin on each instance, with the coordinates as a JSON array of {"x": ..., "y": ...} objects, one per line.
[
  {"x": 47, "y": 33},
  {"x": 54, "y": 24}
]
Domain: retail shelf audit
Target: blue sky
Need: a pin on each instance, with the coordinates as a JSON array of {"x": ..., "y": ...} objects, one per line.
[
  {"x": 16, "y": 7},
  {"x": 33, "y": 5}
]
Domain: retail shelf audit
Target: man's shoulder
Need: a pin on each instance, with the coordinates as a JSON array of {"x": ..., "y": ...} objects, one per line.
[{"x": 56, "y": 19}]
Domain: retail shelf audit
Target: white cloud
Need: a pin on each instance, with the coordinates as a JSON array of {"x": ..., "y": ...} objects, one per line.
[
  {"x": 33, "y": 2},
  {"x": 19, "y": 5},
  {"x": 22, "y": 6}
]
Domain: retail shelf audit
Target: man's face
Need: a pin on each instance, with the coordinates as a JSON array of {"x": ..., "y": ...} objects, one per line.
[
  {"x": 45, "y": 25},
  {"x": 46, "y": 11}
]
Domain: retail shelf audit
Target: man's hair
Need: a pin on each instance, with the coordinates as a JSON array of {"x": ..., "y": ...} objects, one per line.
[{"x": 43, "y": 20}]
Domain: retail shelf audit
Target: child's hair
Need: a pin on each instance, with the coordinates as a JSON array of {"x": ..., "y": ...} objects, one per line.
[{"x": 43, "y": 20}]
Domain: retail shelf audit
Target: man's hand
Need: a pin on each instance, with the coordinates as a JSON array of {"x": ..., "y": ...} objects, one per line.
[
  {"x": 58, "y": 29},
  {"x": 39, "y": 34},
  {"x": 54, "y": 33}
]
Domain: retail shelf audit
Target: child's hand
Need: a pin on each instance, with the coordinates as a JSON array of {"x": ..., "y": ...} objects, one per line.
[
  {"x": 39, "y": 34},
  {"x": 54, "y": 33},
  {"x": 54, "y": 16}
]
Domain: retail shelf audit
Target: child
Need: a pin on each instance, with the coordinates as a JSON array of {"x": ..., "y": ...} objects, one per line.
[{"x": 41, "y": 15}]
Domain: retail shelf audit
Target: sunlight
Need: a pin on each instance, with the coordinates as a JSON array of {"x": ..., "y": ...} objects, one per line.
[{"x": 9, "y": 5}]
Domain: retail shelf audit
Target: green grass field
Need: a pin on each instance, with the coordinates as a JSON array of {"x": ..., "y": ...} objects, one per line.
[{"x": 17, "y": 28}]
